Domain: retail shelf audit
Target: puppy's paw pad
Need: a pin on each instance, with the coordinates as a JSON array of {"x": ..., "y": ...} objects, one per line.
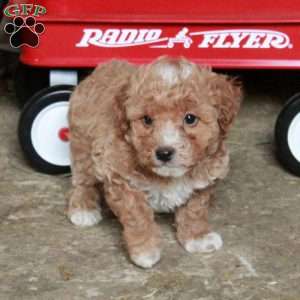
[
  {"x": 146, "y": 260},
  {"x": 208, "y": 243},
  {"x": 85, "y": 218}
]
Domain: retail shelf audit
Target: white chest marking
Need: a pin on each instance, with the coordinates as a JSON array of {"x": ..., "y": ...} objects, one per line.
[{"x": 167, "y": 198}]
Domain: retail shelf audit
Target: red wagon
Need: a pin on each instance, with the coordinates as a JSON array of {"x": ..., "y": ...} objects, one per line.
[{"x": 232, "y": 34}]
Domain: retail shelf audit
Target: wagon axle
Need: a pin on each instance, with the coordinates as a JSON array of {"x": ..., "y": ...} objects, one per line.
[{"x": 64, "y": 134}]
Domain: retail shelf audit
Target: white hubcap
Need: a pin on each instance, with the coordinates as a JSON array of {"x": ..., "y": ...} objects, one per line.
[
  {"x": 45, "y": 134},
  {"x": 294, "y": 137}
]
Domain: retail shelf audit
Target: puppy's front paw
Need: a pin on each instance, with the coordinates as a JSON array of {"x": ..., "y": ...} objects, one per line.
[
  {"x": 85, "y": 218},
  {"x": 206, "y": 244},
  {"x": 146, "y": 260}
]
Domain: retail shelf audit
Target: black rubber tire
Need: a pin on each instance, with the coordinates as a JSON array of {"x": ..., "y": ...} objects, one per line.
[
  {"x": 32, "y": 108},
  {"x": 28, "y": 81},
  {"x": 284, "y": 153}
]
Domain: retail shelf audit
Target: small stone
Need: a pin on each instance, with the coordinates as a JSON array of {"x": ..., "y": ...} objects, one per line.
[{"x": 65, "y": 274}]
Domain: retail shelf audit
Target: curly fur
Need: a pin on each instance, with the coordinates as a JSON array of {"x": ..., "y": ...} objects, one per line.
[{"x": 111, "y": 145}]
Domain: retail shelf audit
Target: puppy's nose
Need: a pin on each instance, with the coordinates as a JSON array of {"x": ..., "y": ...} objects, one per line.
[{"x": 165, "y": 153}]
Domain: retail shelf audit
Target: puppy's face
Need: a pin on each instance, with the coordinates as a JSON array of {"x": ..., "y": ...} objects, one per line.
[{"x": 175, "y": 115}]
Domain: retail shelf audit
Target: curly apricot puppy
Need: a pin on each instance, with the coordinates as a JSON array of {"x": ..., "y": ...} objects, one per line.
[{"x": 153, "y": 137}]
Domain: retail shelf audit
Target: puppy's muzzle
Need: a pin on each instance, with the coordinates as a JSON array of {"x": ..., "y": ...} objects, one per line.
[{"x": 165, "y": 154}]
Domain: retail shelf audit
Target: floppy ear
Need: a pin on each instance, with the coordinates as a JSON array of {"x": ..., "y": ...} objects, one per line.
[
  {"x": 121, "y": 98},
  {"x": 228, "y": 95},
  {"x": 119, "y": 108}
]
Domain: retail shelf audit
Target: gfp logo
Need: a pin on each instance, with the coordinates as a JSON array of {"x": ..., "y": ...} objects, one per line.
[
  {"x": 24, "y": 30},
  {"x": 24, "y": 9}
]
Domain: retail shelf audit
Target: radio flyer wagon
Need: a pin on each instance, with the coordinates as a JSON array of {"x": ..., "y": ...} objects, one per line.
[{"x": 232, "y": 34}]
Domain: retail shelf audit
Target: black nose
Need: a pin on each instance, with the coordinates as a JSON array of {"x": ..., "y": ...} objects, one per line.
[{"x": 165, "y": 153}]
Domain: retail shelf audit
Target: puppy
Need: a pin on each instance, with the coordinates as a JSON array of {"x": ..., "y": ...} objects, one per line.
[{"x": 153, "y": 137}]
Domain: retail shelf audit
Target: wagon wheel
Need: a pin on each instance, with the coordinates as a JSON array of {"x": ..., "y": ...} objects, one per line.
[
  {"x": 287, "y": 135},
  {"x": 43, "y": 130}
]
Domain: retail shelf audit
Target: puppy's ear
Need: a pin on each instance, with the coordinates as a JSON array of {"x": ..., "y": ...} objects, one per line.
[
  {"x": 228, "y": 96},
  {"x": 120, "y": 105}
]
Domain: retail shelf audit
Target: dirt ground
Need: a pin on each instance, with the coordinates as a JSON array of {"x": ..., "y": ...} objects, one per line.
[{"x": 257, "y": 212}]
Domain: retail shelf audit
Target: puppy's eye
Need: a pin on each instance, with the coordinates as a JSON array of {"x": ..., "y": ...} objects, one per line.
[
  {"x": 147, "y": 120},
  {"x": 191, "y": 119}
]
